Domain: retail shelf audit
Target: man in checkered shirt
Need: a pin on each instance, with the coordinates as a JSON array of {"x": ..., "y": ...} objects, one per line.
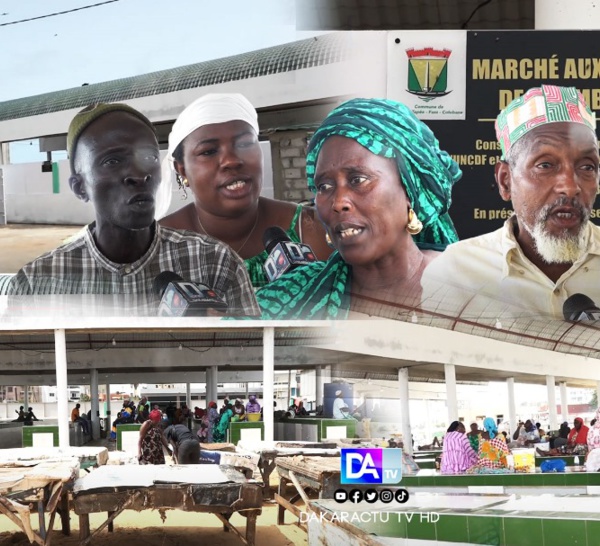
[{"x": 110, "y": 267}]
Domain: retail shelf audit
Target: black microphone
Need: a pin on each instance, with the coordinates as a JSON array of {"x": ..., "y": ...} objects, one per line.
[
  {"x": 284, "y": 255},
  {"x": 180, "y": 298},
  {"x": 579, "y": 307}
]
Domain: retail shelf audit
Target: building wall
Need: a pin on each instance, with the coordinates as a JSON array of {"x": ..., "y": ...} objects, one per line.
[
  {"x": 32, "y": 198},
  {"x": 288, "y": 149}
]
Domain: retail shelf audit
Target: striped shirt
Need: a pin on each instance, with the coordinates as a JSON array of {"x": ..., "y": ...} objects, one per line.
[
  {"x": 78, "y": 268},
  {"x": 458, "y": 455}
]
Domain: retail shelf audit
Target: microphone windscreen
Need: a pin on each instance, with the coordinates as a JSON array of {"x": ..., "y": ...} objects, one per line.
[
  {"x": 575, "y": 304},
  {"x": 272, "y": 236},
  {"x": 162, "y": 280}
]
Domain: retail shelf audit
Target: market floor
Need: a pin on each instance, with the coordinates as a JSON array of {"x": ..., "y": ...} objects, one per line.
[
  {"x": 179, "y": 529},
  {"x": 21, "y": 243}
]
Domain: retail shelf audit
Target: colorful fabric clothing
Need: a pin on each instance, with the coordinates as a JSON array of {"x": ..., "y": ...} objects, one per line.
[
  {"x": 457, "y": 454},
  {"x": 220, "y": 430},
  {"x": 593, "y": 437},
  {"x": 492, "y": 453},
  {"x": 317, "y": 291},
  {"x": 252, "y": 406},
  {"x": 213, "y": 419},
  {"x": 592, "y": 463},
  {"x": 152, "y": 447},
  {"x": 493, "y": 266},
  {"x": 143, "y": 410},
  {"x": 255, "y": 265},
  {"x": 79, "y": 268},
  {"x": 389, "y": 129},
  {"x": 474, "y": 441},
  {"x": 539, "y": 106},
  {"x": 578, "y": 437}
]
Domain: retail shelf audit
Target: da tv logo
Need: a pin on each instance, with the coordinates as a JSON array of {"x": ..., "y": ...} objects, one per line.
[{"x": 371, "y": 466}]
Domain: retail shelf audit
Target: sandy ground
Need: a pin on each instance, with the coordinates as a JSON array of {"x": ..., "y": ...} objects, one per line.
[
  {"x": 21, "y": 243},
  {"x": 179, "y": 529}
]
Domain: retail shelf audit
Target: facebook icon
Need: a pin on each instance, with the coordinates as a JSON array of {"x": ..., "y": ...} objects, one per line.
[{"x": 371, "y": 466}]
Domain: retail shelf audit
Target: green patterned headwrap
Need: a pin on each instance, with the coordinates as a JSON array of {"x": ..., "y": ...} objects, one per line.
[
  {"x": 389, "y": 129},
  {"x": 322, "y": 290}
]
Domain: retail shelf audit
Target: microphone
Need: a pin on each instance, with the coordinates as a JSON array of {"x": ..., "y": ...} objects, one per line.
[
  {"x": 579, "y": 307},
  {"x": 284, "y": 255},
  {"x": 180, "y": 298}
]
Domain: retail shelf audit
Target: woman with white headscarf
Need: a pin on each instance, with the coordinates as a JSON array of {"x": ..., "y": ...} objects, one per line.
[{"x": 214, "y": 150}]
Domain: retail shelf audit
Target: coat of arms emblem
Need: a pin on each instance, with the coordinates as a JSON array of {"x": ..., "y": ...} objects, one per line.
[{"x": 428, "y": 72}]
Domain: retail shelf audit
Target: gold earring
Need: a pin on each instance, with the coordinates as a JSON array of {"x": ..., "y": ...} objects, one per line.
[
  {"x": 328, "y": 240},
  {"x": 414, "y": 225},
  {"x": 182, "y": 183}
]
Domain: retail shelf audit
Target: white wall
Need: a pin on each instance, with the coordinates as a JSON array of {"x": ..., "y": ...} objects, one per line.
[{"x": 29, "y": 196}]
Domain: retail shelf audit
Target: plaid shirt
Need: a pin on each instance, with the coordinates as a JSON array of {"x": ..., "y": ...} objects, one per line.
[{"x": 79, "y": 268}]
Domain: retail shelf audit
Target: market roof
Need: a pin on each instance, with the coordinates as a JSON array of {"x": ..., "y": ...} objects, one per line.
[{"x": 317, "y": 51}]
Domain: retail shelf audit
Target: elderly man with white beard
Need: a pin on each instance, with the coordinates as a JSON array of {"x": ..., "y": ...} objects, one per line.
[{"x": 548, "y": 250}]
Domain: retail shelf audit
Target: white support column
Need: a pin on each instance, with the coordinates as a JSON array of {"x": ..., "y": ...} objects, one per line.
[
  {"x": 108, "y": 424},
  {"x": 208, "y": 386},
  {"x": 319, "y": 386},
  {"x": 565, "y": 15},
  {"x": 404, "y": 409},
  {"x": 214, "y": 384},
  {"x": 551, "y": 385},
  {"x": 188, "y": 395},
  {"x": 60, "y": 351},
  {"x": 512, "y": 406},
  {"x": 564, "y": 402},
  {"x": 451, "y": 398},
  {"x": 95, "y": 403},
  {"x": 268, "y": 382},
  {"x": 26, "y": 398}
]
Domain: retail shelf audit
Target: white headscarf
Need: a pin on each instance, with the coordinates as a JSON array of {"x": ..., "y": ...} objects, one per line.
[{"x": 208, "y": 109}]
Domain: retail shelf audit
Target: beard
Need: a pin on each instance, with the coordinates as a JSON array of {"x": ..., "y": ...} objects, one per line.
[{"x": 565, "y": 247}]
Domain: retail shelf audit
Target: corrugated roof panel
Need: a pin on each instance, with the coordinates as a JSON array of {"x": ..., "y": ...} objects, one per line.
[{"x": 316, "y": 51}]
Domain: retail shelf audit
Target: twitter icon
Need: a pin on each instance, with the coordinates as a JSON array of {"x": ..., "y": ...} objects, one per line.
[{"x": 371, "y": 496}]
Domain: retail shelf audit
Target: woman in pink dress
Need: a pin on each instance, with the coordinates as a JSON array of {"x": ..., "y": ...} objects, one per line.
[{"x": 457, "y": 455}]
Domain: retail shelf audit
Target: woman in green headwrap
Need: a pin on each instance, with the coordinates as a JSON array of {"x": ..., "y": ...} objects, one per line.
[{"x": 383, "y": 190}]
